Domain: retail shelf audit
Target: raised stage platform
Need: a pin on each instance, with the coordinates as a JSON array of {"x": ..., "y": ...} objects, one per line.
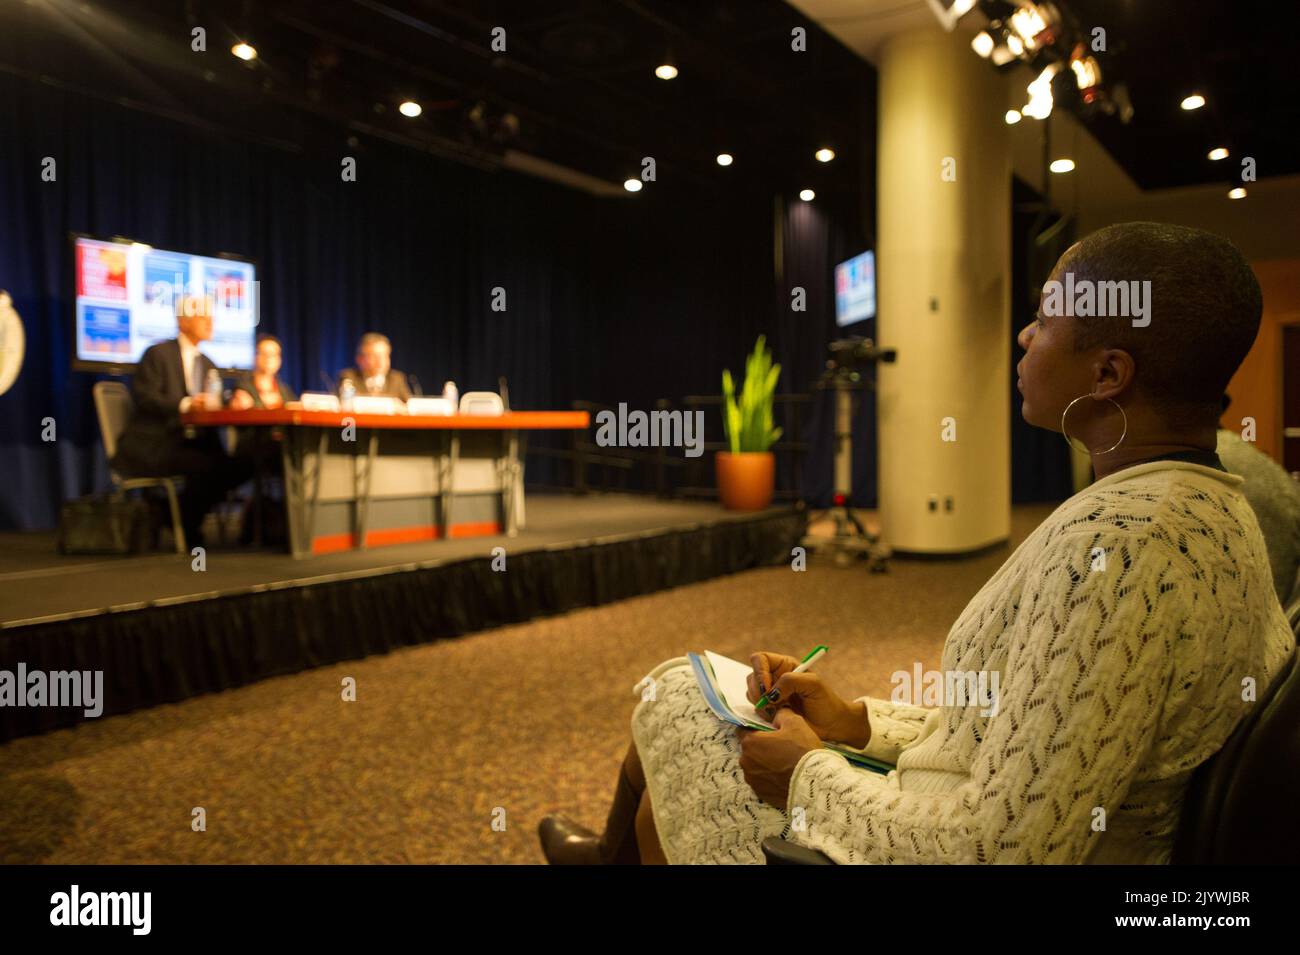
[{"x": 161, "y": 631}]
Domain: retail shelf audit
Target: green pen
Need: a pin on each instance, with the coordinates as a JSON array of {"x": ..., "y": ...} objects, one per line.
[{"x": 815, "y": 654}]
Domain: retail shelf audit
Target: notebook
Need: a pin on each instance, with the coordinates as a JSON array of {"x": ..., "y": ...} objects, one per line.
[{"x": 724, "y": 683}]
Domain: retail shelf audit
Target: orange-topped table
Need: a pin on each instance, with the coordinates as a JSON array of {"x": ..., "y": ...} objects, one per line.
[
  {"x": 367, "y": 480},
  {"x": 279, "y": 417}
]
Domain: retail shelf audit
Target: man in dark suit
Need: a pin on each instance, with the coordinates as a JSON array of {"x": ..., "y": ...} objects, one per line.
[
  {"x": 170, "y": 380},
  {"x": 374, "y": 374}
]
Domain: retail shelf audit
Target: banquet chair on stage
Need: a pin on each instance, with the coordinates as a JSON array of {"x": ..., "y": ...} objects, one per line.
[{"x": 113, "y": 408}]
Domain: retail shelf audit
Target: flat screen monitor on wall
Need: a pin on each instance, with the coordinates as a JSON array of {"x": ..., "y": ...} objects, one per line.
[
  {"x": 128, "y": 294},
  {"x": 855, "y": 289}
]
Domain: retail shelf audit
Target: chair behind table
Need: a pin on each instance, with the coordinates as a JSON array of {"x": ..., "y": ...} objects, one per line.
[{"x": 113, "y": 407}]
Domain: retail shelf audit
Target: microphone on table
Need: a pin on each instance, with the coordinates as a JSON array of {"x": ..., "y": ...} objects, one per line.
[
  {"x": 416, "y": 390},
  {"x": 329, "y": 384},
  {"x": 505, "y": 392}
]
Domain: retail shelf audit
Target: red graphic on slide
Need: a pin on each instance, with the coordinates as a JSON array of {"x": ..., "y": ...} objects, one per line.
[{"x": 101, "y": 273}]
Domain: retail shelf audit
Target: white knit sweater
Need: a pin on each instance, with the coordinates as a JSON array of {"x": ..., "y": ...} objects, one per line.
[{"x": 1117, "y": 678}]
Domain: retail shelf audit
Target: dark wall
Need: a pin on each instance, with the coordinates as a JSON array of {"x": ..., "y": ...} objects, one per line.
[{"x": 608, "y": 299}]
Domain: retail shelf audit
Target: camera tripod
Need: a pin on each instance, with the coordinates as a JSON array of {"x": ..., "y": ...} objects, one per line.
[{"x": 851, "y": 539}]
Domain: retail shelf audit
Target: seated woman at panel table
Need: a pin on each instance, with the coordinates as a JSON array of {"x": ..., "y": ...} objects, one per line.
[
  {"x": 262, "y": 387},
  {"x": 1117, "y": 677}
]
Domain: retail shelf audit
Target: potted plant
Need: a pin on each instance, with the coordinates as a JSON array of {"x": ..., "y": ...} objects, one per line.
[{"x": 747, "y": 472}]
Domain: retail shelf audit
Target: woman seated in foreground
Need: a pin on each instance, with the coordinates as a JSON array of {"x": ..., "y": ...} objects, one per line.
[{"x": 1125, "y": 631}]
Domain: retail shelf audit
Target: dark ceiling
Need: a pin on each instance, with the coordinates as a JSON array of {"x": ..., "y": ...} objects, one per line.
[
  {"x": 1243, "y": 56},
  {"x": 577, "y": 76}
]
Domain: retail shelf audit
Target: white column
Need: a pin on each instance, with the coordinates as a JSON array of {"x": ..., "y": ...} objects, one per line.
[{"x": 943, "y": 279}]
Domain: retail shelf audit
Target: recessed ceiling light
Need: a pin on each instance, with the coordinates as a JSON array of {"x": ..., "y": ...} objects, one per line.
[
  {"x": 244, "y": 51},
  {"x": 1061, "y": 165},
  {"x": 1012, "y": 117},
  {"x": 666, "y": 71},
  {"x": 1238, "y": 193},
  {"x": 410, "y": 108},
  {"x": 825, "y": 154},
  {"x": 1195, "y": 101},
  {"x": 725, "y": 159},
  {"x": 807, "y": 195},
  {"x": 632, "y": 185},
  {"x": 1219, "y": 152}
]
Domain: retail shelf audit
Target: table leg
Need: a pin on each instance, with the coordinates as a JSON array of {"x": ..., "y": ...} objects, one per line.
[
  {"x": 291, "y": 454},
  {"x": 362, "y": 478},
  {"x": 449, "y": 488},
  {"x": 321, "y": 447}
]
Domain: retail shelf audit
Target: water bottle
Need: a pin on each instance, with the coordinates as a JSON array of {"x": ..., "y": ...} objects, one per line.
[
  {"x": 451, "y": 394},
  {"x": 347, "y": 391},
  {"x": 213, "y": 388}
]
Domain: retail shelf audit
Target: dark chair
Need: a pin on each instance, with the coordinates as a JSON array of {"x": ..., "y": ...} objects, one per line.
[
  {"x": 113, "y": 405},
  {"x": 1243, "y": 803}
]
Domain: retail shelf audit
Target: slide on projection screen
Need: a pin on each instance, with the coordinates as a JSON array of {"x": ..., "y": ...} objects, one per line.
[
  {"x": 128, "y": 293},
  {"x": 855, "y": 289}
]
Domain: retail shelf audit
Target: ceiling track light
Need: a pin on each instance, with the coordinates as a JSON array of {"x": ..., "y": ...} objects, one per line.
[
  {"x": 1219, "y": 152},
  {"x": 825, "y": 154},
  {"x": 1194, "y": 101},
  {"x": 244, "y": 51}
]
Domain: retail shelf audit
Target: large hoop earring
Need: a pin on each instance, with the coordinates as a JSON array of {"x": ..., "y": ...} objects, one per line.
[{"x": 1081, "y": 447}]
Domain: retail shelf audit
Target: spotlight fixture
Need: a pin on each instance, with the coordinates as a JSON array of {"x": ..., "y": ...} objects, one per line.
[
  {"x": 410, "y": 108},
  {"x": 1238, "y": 193},
  {"x": 1012, "y": 117},
  {"x": 983, "y": 44},
  {"x": 244, "y": 51},
  {"x": 1217, "y": 153},
  {"x": 807, "y": 195},
  {"x": 1195, "y": 101},
  {"x": 1016, "y": 47},
  {"x": 1040, "y": 93},
  {"x": 666, "y": 71},
  {"x": 1029, "y": 23},
  {"x": 725, "y": 159},
  {"x": 1061, "y": 165},
  {"x": 1002, "y": 55},
  {"x": 632, "y": 185},
  {"x": 825, "y": 154},
  {"x": 1087, "y": 74}
]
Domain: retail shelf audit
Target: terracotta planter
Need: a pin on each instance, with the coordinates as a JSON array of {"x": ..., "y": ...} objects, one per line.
[{"x": 746, "y": 480}]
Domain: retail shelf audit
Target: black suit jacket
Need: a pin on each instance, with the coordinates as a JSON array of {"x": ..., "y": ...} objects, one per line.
[
  {"x": 154, "y": 433},
  {"x": 395, "y": 385}
]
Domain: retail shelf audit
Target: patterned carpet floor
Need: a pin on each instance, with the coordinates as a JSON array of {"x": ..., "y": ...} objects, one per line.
[{"x": 452, "y": 751}]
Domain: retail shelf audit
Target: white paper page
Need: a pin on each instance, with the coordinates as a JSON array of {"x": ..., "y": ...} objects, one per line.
[{"x": 731, "y": 677}]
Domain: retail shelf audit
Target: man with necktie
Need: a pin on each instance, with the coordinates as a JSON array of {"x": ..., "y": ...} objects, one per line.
[
  {"x": 170, "y": 380},
  {"x": 374, "y": 374}
]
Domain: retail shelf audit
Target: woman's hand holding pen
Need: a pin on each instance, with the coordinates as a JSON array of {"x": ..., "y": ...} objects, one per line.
[{"x": 828, "y": 715}]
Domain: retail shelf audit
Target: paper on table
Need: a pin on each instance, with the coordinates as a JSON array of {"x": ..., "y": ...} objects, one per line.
[{"x": 732, "y": 680}]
